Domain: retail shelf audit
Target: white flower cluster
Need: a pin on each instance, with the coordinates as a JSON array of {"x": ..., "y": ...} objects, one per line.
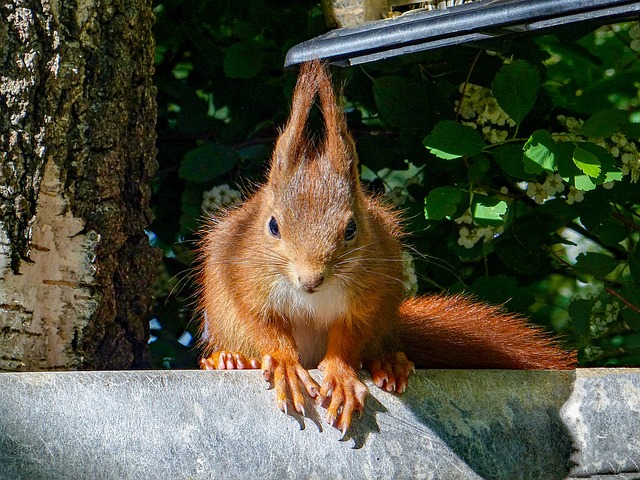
[
  {"x": 634, "y": 33},
  {"x": 540, "y": 192},
  {"x": 631, "y": 164},
  {"x": 592, "y": 353},
  {"x": 480, "y": 109},
  {"x": 607, "y": 32},
  {"x": 411, "y": 278},
  {"x": 574, "y": 195},
  {"x": 470, "y": 233},
  {"x": 573, "y": 126},
  {"x": 618, "y": 145},
  {"x": 219, "y": 197},
  {"x": 602, "y": 316}
]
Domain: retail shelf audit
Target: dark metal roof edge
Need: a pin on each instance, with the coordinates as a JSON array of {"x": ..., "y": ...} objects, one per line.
[{"x": 434, "y": 29}]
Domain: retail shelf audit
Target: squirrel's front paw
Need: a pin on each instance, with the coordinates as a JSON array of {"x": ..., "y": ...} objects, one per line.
[
  {"x": 223, "y": 360},
  {"x": 343, "y": 392},
  {"x": 391, "y": 372},
  {"x": 286, "y": 375}
]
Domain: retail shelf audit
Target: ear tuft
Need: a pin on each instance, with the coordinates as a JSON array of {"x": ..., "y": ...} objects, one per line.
[
  {"x": 293, "y": 144},
  {"x": 293, "y": 140},
  {"x": 339, "y": 147}
]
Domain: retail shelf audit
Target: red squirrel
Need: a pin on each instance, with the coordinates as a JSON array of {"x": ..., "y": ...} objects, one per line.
[{"x": 308, "y": 273}]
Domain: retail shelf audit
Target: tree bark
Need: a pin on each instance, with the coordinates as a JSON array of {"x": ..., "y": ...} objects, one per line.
[{"x": 77, "y": 151}]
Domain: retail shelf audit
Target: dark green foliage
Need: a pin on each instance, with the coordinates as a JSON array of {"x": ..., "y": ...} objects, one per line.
[
  {"x": 521, "y": 195},
  {"x": 222, "y": 94},
  {"x": 443, "y": 202},
  {"x": 515, "y": 87},
  {"x": 450, "y": 140}
]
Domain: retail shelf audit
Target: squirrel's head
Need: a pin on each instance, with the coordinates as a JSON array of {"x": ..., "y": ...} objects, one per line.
[{"x": 315, "y": 202}]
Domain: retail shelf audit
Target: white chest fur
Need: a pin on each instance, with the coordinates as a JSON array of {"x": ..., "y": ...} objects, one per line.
[
  {"x": 311, "y": 343},
  {"x": 310, "y": 315}
]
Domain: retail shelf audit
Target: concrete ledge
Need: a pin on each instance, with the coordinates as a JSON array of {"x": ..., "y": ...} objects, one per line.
[{"x": 197, "y": 425}]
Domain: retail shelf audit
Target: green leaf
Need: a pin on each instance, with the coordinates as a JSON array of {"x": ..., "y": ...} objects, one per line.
[
  {"x": 604, "y": 123},
  {"x": 596, "y": 264},
  {"x": 584, "y": 164},
  {"x": 509, "y": 159},
  {"x": 402, "y": 103},
  {"x": 540, "y": 149},
  {"x": 596, "y": 216},
  {"x": 254, "y": 153},
  {"x": 191, "y": 207},
  {"x": 563, "y": 154},
  {"x": 502, "y": 290},
  {"x": 584, "y": 183},
  {"x": 609, "y": 169},
  {"x": 522, "y": 247},
  {"x": 207, "y": 162},
  {"x": 612, "y": 175},
  {"x": 377, "y": 152},
  {"x": 443, "y": 202},
  {"x": 522, "y": 259},
  {"x": 611, "y": 232},
  {"x": 488, "y": 210},
  {"x": 599, "y": 94},
  {"x": 587, "y": 162},
  {"x": 630, "y": 342},
  {"x": 516, "y": 88},
  {"x": 631, "y": 130},
  {"x": 630, "y": 308},
  {"x": 450, "y": 140},
  {"x": 634, "y": 264},
  {"x": 535, "y": 229},
  {"x": 580, "y": 313},
  {"x": 478, "y": 168},
  {"x": 243, "y": 60}
]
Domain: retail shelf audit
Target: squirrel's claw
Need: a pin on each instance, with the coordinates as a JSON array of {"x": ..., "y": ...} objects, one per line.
[
  {"x": 391, "y": 372},
  {"x": 343, "y": 394},
  {"x": 223, "y": 360},
  {"x": 287, "y": 377}
]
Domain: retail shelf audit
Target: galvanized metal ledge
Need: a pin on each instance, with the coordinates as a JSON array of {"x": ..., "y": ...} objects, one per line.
[{"x": 450, "y": 424}]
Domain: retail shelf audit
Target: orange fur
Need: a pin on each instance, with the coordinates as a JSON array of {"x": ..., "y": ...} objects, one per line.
[
  {"x": 308, "y": 273},
  {"x": 454, "y": 331}
]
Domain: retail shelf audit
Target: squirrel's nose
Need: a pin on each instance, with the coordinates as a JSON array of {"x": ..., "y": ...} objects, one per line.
[{"x": 311, "y": 281}]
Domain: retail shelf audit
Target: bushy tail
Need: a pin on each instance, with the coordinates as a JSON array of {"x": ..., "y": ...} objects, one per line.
[{"x": 454, "y": 331}]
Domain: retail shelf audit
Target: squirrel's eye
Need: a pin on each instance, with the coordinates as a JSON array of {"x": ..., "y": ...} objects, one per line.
[
  {"x": 350, "y": 231},
  {"x": 273, "y": 227}
]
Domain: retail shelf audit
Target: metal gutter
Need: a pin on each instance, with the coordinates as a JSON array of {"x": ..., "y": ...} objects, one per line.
[{"x": 471, "y": 22}]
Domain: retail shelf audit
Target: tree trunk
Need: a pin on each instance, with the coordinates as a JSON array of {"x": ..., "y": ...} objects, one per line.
[{"x": 77, "y": 151}]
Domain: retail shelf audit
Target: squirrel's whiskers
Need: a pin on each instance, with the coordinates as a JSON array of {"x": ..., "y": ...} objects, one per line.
[{"x": 308, "y": 272}]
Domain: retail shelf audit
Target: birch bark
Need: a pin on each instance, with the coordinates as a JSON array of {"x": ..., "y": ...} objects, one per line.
[{"x": 77, "y": 151}]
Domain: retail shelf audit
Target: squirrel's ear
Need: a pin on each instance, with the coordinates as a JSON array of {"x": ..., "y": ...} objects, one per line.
[
  {"x": 338, "y": 146},
  {"x": 293, "y": 142},
  {"x": 293, "y": 145}
]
